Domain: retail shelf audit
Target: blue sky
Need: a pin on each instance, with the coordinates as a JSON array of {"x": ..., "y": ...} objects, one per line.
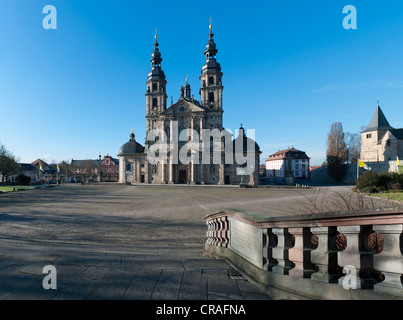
[{"x": 290, "y": 70}]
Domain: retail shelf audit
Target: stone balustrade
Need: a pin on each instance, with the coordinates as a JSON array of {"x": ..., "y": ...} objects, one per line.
[{"x": 339, "y": 255}]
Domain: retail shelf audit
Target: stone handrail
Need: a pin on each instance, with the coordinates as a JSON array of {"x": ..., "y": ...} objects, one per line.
[{"x": 339, "y": 255}]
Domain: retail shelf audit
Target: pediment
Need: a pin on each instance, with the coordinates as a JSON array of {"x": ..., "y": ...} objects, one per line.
[{"x": 184, "y": 106}]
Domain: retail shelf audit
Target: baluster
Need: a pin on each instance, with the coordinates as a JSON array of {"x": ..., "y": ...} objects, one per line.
[
  {"x": 208, "y": 233},
  {"x": 224, "y": 232},
  {"x": 280, "y": 252},
  {"x": 296, "y": 253},
  {"x": 356, "y": 258},
  {"x": 269, "y": 242},
  {"x": 216, "y": 228},
  {"x": 325, "y": 255},
  {"x": 389, "y": 261}
]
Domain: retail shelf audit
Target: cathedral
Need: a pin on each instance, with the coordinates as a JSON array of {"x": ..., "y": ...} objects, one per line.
[{"x": 190, "y": 156}]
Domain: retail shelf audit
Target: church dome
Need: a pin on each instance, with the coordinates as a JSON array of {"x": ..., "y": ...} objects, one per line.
[{"x": 131, "y": 147}]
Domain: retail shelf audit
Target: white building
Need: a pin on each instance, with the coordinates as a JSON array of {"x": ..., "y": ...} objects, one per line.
[{"x": 276, "y": 163}]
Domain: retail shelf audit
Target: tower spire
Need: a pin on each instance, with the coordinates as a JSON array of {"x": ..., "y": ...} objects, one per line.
[{"x": 211, "y": 75}]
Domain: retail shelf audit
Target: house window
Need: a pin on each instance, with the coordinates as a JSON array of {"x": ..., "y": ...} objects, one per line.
[{"x": 369, "y": 135}]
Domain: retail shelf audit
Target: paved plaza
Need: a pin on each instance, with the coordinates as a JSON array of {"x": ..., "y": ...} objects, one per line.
[{"x": 125, "y": 242}]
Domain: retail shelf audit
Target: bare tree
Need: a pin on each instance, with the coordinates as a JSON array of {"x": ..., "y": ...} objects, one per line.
[
  {"x": 89, "y": 168},
  {"x": 8, "y": 163},
  {"x": 337, "y": 152},
  {"x": 353, "y": 145}
]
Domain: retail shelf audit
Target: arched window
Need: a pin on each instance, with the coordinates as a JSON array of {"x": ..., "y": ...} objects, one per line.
[
  {"x": 155, "y": 102},
  {"x": 211, "y": 97},
  {"x": 155, "y": 87},
  {"x": 129, "y": 168},
  {"x": 211, "y": 80}
]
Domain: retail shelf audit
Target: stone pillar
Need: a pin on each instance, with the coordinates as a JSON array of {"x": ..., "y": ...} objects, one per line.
[
  {"x": 201, "y": 165},
  {"x": 325, "y": 255},
  {"x": 252, "y": 177},
  {"x": 221, "y": 173},
  {"x": 147, "y": 172},
  {"x": 171, "y": 169},
  {"x": 122, "y": 175},
  {"x": 192, "y": 173},
  {"x": 296, "y": 253},
  {"x": 280, "y": 252},
  {"x": 138, "y": 176},
  {"x": 389, "y": 261},
  {"x": 171, "y": 151},
  {"x": 269, "y": 242},
  {"x": 355, "y": 260},
  {"x": 163, "y": 172}
]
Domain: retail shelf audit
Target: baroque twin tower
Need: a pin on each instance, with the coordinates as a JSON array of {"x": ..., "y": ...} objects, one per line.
[{"x": 186, "y": 113}]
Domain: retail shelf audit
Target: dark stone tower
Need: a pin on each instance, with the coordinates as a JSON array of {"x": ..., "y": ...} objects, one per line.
[
  {"x": 156, "y": 96},
  {"x": 211, "y": 75}
]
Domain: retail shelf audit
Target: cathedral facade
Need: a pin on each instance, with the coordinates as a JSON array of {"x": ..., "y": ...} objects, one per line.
[{"x": 186, "y": 142}]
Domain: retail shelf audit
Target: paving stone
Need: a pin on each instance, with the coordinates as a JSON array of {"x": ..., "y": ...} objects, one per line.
[
  {"x": 67, "y": 296},
  {"x": 142, "y": 285},
  {"x": 223, "y": 287},
  {"x": 110, "y": 288},
  {"x": 193, "y": 286},
  {"x": 108, "y": 239},
  {"x": 168, "y": 286}
]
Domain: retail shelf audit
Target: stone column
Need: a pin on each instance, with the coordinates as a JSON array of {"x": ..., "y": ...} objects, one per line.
[
  {"x": 171, "y": 169},
  {"x": 147, "y": 172},
  {"x": 325, "y": 255},
  {"x": 192, "y": 173},
  {"x": 192, "y": 165},
  {"x": 269, "y": 242},
  {"x": 171, "y": 151},
  {"x": 201, "y": 153},
  {"x": 389, "y": 261},
  {"x": 296, "y": 253},
  {"x": 355, "y": 261},
  {"x": 280, "y": 252},
  {"x": 221, "y": 173},
  {"x": 138, "y": 171},
  {"x": 122, "y": 164},
  {"x": 163, "y": 172}
]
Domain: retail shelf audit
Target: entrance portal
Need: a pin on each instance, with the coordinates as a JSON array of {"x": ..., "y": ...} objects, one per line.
[{"x": 182, "y": 176}]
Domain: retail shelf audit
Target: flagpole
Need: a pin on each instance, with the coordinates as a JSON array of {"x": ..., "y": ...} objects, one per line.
[{"x": 358, "y": 168}]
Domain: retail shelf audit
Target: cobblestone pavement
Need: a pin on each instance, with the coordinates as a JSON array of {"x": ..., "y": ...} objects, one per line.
[{"x": 124, "y": 242}]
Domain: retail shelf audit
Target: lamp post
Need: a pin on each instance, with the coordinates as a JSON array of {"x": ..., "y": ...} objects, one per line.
[{"x": 99, "y": 168}]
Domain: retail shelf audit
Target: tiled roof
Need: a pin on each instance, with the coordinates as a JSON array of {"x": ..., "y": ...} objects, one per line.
[{"x": 292, "y": 152}]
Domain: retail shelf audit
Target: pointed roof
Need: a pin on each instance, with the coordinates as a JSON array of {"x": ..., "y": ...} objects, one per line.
[{"x": 378, "y": 121}]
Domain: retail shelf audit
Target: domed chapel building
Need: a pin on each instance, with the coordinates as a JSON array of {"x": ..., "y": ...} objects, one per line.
[{"x": 185, "y": 123}]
